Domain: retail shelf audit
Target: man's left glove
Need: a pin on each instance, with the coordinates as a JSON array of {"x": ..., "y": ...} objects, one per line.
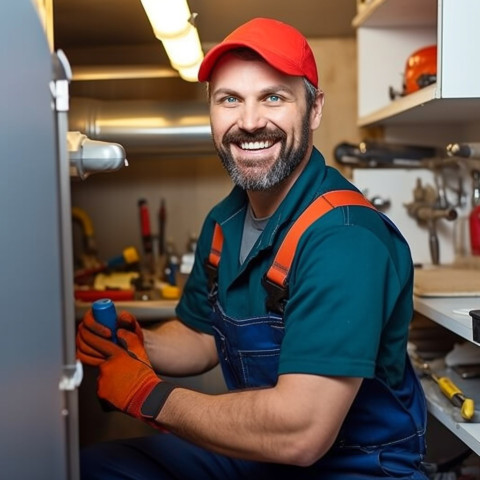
[
  {"x": 88, "y": 353},
  {"x": 126, "y": 378}
]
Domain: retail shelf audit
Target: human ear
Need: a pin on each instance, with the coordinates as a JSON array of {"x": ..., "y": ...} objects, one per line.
[{"x": 317, "y": 110}]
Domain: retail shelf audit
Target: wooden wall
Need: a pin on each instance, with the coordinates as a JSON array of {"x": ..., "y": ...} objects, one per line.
[{"x": 191, "y": 186}]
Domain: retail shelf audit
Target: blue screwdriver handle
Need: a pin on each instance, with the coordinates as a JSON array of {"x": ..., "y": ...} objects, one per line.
[{"x": 104, "y": 312}]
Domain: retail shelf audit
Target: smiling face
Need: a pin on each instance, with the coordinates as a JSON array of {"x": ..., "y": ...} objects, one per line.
[{"x": 262, "y": 127}]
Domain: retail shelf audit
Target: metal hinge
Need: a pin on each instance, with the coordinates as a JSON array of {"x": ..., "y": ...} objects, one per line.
[
  {"x": 59, "y": 86},
  {"x": 72, "y": 377}
]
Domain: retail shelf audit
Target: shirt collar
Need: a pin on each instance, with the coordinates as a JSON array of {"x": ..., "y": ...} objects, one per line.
[{"x": 302, "y": 193}]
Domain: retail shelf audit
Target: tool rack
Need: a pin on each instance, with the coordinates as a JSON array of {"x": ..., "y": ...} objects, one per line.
[{"x": 388, "y": 31}]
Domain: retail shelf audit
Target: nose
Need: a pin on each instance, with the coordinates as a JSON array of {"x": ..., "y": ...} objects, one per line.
[{"x": 251, "y": 117}]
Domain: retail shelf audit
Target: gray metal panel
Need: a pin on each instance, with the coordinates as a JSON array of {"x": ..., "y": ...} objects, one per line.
[{"x": 33, "y": 440}]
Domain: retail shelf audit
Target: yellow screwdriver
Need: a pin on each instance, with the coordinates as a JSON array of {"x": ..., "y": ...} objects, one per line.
[{"x": 449, "y": 389}]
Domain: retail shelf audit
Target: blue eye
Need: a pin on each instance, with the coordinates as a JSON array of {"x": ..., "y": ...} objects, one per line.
[
  {"x": 230, "y": 99},
  {"x": 273, "y": 98}
]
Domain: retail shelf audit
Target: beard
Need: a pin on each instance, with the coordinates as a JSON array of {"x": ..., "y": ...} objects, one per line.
[{"x": 288, "y": 159}]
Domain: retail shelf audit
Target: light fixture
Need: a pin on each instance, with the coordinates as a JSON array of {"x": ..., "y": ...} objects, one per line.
[
  {"x": 190, "y": 74},
  {"x": 171, "y": 21}
]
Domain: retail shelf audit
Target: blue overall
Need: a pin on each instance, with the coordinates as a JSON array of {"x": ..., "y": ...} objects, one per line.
[{"x": 383, "y": 434}]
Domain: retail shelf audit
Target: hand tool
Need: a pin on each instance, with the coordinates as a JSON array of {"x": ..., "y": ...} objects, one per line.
[
  {"x": 377, "y": 154},
  {"x": 85, "y": 221},
  {"x": 105, "y": 313},
  {"x": 91, "y": 295},
  {"x": 465, "y": 150},
  {"x": 162, "y": 219},
  {"x": 426, "y": 211},
  {"x": 145, "y": 226},
  {"x": 128, "y": 256},
  {"x": 448, "y": 388},
  {"x": 146, "y": 234}
]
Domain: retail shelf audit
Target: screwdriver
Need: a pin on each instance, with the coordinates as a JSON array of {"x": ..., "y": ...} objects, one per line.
[{"x": 449, "y": 389}]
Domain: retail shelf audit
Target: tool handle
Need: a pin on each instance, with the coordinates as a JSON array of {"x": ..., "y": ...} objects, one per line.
[
  {"x": 434, "y": 246},
  {"x": 145, "y": 226},
  {"x": 468, "y": 409},
  {"x": 104, "y": 312},
  {"x": 456, "y": 396},
  {"x": 465, "y": 150},
  {"x": 448, "y": 388}
]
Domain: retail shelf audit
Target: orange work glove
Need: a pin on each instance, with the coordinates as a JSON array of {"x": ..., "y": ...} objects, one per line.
[
  {"x": 88, "y": 353},
  {"x": 126, "y": 378}
]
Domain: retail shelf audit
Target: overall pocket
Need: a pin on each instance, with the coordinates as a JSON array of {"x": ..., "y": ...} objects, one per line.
[
  {"x": 259, "y": 367},
  {"x": 248, "y": 349}
]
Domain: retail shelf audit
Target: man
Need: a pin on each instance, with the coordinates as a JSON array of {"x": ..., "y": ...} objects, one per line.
[{"x": 321, "y": 387}]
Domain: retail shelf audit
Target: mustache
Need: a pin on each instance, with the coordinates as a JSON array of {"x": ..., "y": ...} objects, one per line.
[{"x": 264, "y": 135}]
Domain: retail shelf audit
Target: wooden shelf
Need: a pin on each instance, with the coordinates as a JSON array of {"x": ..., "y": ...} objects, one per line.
[
  {"x": 388, "y": 32},
  {"x": 448, "y": 415},
  {"x": 395, "y": 13},
  {"x": 449, "y": 312},
  {"x": 145, "y": 311},
  {"x": 452, "y": 313},
  {"x": 423, "y": 107}
]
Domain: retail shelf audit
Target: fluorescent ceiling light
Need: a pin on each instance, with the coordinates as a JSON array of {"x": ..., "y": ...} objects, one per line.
[
  {"x": 120, "y": 72},
  {"x": 168, "y": 17},
  {"x": 171, "y": 23},
  {"x": 190, "y": 74},
  {"x": 184, "y": 50}
]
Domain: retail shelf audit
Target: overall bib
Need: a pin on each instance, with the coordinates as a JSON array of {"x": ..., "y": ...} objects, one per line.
[{"x": 383, "y": 433}]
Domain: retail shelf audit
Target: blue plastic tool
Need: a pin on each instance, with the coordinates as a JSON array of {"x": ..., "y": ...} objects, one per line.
[{"x": 104, "y": 312}]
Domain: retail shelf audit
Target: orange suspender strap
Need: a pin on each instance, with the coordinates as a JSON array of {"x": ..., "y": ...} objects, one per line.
[
  {"x": 216, "y": 248},
  {"x": 278, "y": 272},
  {"x": 275, "y": 278}
]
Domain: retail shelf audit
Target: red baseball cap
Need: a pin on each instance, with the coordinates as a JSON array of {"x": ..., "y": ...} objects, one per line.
[{"x": 280, "y": 45}]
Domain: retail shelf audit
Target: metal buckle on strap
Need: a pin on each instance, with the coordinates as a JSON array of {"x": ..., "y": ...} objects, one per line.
[
  {"x": 212, "y": 274},
  {"x": 276, "y": 295}
]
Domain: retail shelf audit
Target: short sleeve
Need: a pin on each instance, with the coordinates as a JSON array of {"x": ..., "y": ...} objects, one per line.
[
  {"x": 194, "y": 308},
  {"x": 342, "y": 286}
]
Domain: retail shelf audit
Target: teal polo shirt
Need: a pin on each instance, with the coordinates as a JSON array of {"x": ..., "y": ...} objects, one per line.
[{"x": 350, "y": 284}]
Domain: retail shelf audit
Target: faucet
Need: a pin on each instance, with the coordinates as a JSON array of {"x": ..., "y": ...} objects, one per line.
[{"x": 427, "y": 210}]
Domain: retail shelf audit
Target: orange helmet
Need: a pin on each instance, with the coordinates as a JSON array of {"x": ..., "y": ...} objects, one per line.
[{"x": 421, "y": 69}]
